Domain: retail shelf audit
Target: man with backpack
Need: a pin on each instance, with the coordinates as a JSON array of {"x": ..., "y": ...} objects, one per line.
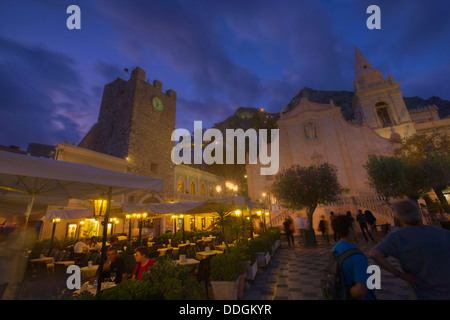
[{"x": 346, "y": 276}]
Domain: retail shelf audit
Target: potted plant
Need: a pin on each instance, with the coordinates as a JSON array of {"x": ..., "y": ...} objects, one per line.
[{"x": 226, "y": 271}]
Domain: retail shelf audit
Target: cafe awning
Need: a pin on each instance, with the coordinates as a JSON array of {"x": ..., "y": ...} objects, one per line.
[
  {"x": 191, "y": 207},
  {"x": 26, "y": 181}
]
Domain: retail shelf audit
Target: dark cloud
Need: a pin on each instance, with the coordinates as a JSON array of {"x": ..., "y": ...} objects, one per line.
[
  {"x": 110, "y": 71},
  {"x": 217, "y": 55},
  {"x": 43, "y": 101}
]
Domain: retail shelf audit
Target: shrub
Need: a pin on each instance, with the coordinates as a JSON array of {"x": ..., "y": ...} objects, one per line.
[
  {"x": 226, "y": 267},
  {"x": 166, "y": 281}
]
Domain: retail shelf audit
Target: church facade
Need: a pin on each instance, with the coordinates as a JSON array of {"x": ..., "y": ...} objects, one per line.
[{"x": 311, "y": 133}]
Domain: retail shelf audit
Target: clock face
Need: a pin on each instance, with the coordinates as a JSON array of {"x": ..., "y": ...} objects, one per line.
[{"x": 157, "y": 103}]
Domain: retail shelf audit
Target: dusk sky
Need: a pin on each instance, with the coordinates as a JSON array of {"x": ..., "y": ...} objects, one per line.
[{"x": 217, "y": 55}]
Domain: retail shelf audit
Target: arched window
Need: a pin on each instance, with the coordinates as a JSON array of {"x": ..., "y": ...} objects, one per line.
[
  {"x": 192, "y": 188},
  {"x": 202, "y": 190},
  {"x": 383, "y": 114},
  {"x": 180, "y": 187}
]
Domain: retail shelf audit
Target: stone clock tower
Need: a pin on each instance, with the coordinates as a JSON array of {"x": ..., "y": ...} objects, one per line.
[{"x": 135, "y": 123}]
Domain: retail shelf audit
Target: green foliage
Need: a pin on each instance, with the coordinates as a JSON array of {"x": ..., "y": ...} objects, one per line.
[
  {"x": 166, "y": 281},
  {"x": 263, "y": 243},
  {"x": 433, "y": 206},
  {"x": 226, "y": 267},
  {"x": 396, "y": 177},
  {"x": 306, "y": 187}
]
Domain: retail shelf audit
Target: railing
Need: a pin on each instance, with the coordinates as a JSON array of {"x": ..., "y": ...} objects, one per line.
[
  {"x": 373, "y": 85},
  {"x": 376, "y": 204}
]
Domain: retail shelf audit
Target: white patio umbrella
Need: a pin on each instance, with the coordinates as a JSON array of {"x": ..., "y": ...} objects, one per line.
[{"x": 26, "y": 179}]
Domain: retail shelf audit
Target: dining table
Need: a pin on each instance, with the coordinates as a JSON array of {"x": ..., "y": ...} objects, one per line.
[
  {"x": 204, "y": 254},
  {"x": 47, "y": 260},
  {"x": 187, "y": 262},
  {"x": 162, "y": 251},
  {"x": 90, "y": 288},
  {"x": 88, "y": 272},
  {"x": 66, "y": 263}
]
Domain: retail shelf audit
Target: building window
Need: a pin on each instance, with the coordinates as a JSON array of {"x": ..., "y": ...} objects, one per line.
[
  {"x": 71, "y": 230},
  {"x": 202, "y": 190},
  {"x": 192, "y": 188},
  {"x": 383, "y": 114},
  {"x": 180, "y": 186},
  {"x": 211, "y": 191}
]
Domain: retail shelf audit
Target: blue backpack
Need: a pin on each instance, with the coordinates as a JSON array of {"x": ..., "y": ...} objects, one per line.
[{"x": 333, "y": 281}]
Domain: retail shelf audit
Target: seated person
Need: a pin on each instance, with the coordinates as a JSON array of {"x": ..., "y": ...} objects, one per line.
[
  {"x": 81, "y": 246},
  {"x": 95, "y": 245},
  {"x": 143, "y": 262},
  {"x": 113, "y": 266}
]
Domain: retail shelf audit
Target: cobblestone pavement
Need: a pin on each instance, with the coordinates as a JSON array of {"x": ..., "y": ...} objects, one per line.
[{"x": 294, "y": 274}]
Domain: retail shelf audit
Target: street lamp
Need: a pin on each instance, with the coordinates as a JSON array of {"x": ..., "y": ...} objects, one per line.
[
  {"x": 218, "y": 189},
  {"x": 128, "y": 217},
  {"x": 55, "y": 221},
  {"x": 264, "y": 207},
  {"x": 141, "y": 218},
  {"x": 174, "y": 219},
  {"x": 101, "y": 209},
  {"x": 268, "y": 215},
  {"x": 182, "y": 225}
]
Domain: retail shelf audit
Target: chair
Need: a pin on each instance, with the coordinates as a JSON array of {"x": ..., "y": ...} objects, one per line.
[
  {"x": 169, "y": 252},
  {"x": 53, "y": 253},
  {"x": 153, "y": 252},
  {"x": 203, "y": 273},
  {"x": 45, "y": 252},
  {"x": 84, "y": 260},
  {"x": 40, "y": 270},
  {"x": 94, "y": 257},
  {"x": 182, "y": 250},
  {"x": 3, "y": 287},
  {"x": 65, "y": 255},
  {"x": 58, "y": 256}
]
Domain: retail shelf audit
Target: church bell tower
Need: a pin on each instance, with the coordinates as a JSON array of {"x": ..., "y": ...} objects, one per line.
[{"x": 378, "y": 101}]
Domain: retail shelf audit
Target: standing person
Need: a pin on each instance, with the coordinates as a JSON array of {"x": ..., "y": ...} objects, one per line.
[
  {"x": 332, "y": 216},
  {"x": 362, "y": 224},
  {"x": 301, "y": 225},
  {"x": 323, "y": 227},
  {"x": 372, "y": 221},
  {"x": 349, "y": 214},
  {"x": 113, "y": 267},
  {"x": 143, "y": 262},
  {"x": 289, "y": 229},
  {"x": 355, "y": 266},
  {"x": 422, "y": 251}
]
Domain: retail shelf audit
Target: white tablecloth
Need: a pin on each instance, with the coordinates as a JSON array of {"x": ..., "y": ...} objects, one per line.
[{"x": 88, "y": 272}]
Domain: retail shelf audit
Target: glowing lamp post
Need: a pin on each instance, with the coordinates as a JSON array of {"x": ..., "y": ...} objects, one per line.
[
  {"x": 55, "y": 222},
  {"x": 141, "y": 218},
  {"x": 101, "y": 210}
]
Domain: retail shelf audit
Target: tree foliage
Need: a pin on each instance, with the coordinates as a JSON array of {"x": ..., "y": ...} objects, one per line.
[{"x": 306, "y": 187}]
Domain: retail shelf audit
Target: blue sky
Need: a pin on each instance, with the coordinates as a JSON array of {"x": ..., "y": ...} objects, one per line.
[{"x": 217, "y": 56}]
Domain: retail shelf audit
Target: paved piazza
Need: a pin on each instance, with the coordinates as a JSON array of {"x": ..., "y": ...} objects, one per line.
[{"x": 294, "y": 274}]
